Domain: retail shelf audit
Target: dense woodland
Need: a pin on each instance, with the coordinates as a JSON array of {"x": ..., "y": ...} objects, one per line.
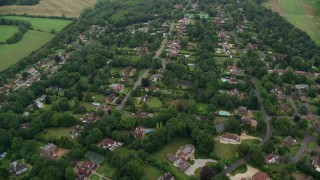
[{"x": 18, "y": 2}]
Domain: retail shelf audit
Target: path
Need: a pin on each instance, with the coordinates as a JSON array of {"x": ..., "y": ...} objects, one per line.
[
  {"x": 303, "y": 148},
  {"x": 250, "y": 172},
  {"x": 198, "y": 163},
  {"x": 293, "y": 104},
  {"x": 236, "y": 164}
]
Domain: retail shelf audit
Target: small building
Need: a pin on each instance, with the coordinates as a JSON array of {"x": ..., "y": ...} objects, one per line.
[
  {"x": 49, "y": 151},
  {"x": 186, "y": 152},
  {"x": 110, "y": 144},
  {"x": 271, "y": 158},
  {"x": 172, "y": 157},
  {"x": 24, "y": 125},
  {"x": 85, "y": 170},
  {"x": 289, "y": 141},
  {"x": 90, "y": 117},
  {"x": 242, "y": 110},
  {"x": 156, "y": 77},
  {"x": 248, "y": 120},
  {"x": 233, "y": 80},
  {"x": 260, "y": 176},
  {"x": 315, "y": 162},
  {"x": 142, "y": 115},
  {"x": 301, "y": 86},
  {"x": 76, "y": 131},
  {"x": 17, "y": 167},
  {"x": 139, "y": 132},
  {"x": 230, "y": 138},
  {"x": 117, "y": 87},
  {"x": 181, "y": 165},
  {"x": 145, "y": 98},
  {"x": 128, "y": 71},
  {"x": 167, "y": 176},
  {"x": 111, "y": 98}
]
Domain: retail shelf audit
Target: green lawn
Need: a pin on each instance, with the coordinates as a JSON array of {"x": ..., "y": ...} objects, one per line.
[
  {"x": 43, "y": 24},
  {"x": 151, "y": 172},
  {"x": 56, "y": 133},
  {"x": 94, "y": 177},
  {"x": 172, "y": 147},
  {"x": 293, "y": 150},
  {"x": 312, "y": 145},
  {"x": 155, "y": 103},
  {"x": 6, "y": 32},
  {"x": 304, "y": 14},
  {"x": 226, "y": 151},
  {"x": 106, "y": 170},
  {"x": 31, "y": 41}
]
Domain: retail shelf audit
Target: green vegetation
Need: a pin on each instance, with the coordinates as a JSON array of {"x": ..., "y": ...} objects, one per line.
[
  {"x": 106, "y": 170},
  {"x": 241, "y": 169},
  {"x": 6, "y": 32},
  {"x": 43, "y": 24},
  {"x": 95, "y": 157},
  {"x": 56, "y": 133},
  {"x": 226, "y": 151},
  {"x": 31, "y": 41},
  {"x": 94, "y": 177},
  {"x": 151, "y": 173},
  {"x": 172, "y": 147}
]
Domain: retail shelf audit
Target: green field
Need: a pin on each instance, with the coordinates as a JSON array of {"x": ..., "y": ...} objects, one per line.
[
  {"x": 43, "y": 24},
  {"x": 304, "y": 14},
  {"x": 226, "y": 151},
  {"x": 151, "y": 173},
  {"x": 31, "y": 41},
  {"x": 106, "y": 170},
  {"x": 56, "y": 133},
  {"x": 6, "y": 32}
]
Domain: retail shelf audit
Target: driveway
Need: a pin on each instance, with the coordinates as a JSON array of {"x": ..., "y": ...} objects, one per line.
[
  {"x": 250, "y": 172},
  {"x": 303, "y": 148},
  {"x": 198, "y": 163}
]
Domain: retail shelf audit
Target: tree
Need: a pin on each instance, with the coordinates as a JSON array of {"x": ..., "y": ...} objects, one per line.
[
  {"x": 145, "y": 82},
  {"x": 69, "y": 173},
  {"x": 94, "y": 136},
  {"x": 232, "y": 125}
]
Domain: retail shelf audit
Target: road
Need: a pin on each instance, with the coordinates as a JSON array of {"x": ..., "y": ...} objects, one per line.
[
  {"x": 236, "y": 164},
  {"x": 265, "y": 116},
  {"x": 303, "y": 148}
]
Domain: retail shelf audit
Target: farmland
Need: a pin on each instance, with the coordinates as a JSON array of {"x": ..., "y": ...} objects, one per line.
[
  {"x": 304, "y": 14},
  {"x": 68, "y": 8},
  {"x": 43, "y": 24},
  {"x": 6, "y": 32},
  {"x": 31, "y": 41}
]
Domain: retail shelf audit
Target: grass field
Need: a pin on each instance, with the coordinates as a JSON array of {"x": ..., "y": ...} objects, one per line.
[
  {"x": 43, "y": 24},
  {"x": 68, "y": 8},
  {"x": 106, "y": 170},
  {"x": 6, "y": 32},
  {"x": 56, "y": 133},
  {"x": 226, "y": 151},
  {"x": 31, "y": 41},
  {"x": 304, "y": 14},
  {"x": 151, "y": 173}
]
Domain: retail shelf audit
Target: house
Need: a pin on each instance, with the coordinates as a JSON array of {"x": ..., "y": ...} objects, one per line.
[
  {"x": 142, "y": 115},
  {"x": 172, "y": 157},
  {"x": 111, "y": 97},
  {"x": 153, "y": 88},
  {"x": 76, "y": 131},
  {"x": 260, "y": 176},
  {"x": 181, "y": 165},
  {"x": 32, "y": 71},
  {"x": 186, "y": 152},
  {"x": 289, "y": 141},
  {"x": 233, "y": 80},
  {"x": 85, "y": 170},
  {"x": 248, "y": 120},
  {"x": 167, "y": 176},
  {"x": 117, "y": 87},
  {"x": 315, "y": 162},
  {"x": 17, "y": 167},
  {"x": 301, "y": 86},
  {"x": 90, "y": 117},
  {"x": 145, "y": 98},
  {"x": 284, "y": 107},
  {"x": 139, "y": 132},
  {"x": 49, "y": 151},
  {"x": 232, "y": 69},
  {"x": 271, "y": 158},
  {"x": 230, "y": 138},
  {"x": 156, "y": 77},
  {"x": 24, "y": 125},
  {"x": 110, "y": 144},
  {"x": 242, "y": 110},
  {"x": 143, "y": 51},
  {"x": 128, "y": 71}
]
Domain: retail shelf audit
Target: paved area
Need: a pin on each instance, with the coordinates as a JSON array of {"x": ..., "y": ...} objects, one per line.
[
  {"x": 198, "y": 163},
  {"x": 250, "y": 172}
]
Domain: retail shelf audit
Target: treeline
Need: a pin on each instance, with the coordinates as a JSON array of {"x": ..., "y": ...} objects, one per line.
[
  {"x": 24, "y": 26},
  {"x": 19, "y": 2}
]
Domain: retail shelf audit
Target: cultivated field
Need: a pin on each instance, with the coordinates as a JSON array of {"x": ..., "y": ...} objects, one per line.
[
  {"x": 6, "y": 32},
  {"x": 43, "y": 24},
  {"x": 304, "y": 14},
  {"x": 68, "y": 8}
]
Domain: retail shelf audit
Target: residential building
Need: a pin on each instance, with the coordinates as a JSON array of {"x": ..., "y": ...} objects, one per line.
[
  {"x": 49, "y": 151},
  {"x": 301, "y": 86},
  {"x": 167, "y": 176},
  {"x": 76, "y": 131},
  {"x": 260, "y": 176},
  {"x": 172, "y": 157},
  {"x": 248, "y": 120},
  {"x": 186, "y": 152},
  {"x": 271, "y": 158},
  {"x": 17, "y": 167},
  {"x": 242, "y": 110},
  {"x": 289, "y": 141},
  {"x": 117, "y": 87},
  {"x": 230, "y": 138},
  {"x": 139, "y": 132},
  {"x": 85, "y": 170},
  {"x": 91, "y": 117},
  {"x": 127, "y": 71},
  {"x": 111, "y": 97},
  {"x": 181, "y": 165},
  {"x": 315, "y": 162},
  {"x": 110, "y": 144},
  {"x": 142, "y": 115},
  {"x": 145, "y": 98}
]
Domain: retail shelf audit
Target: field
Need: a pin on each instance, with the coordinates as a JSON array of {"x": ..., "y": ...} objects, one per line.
[
  {"x": 31, "y": 41},
  {"x": 68, "y": 8},
  {"x": 151, "y": 173},
  {"x": 56, "y": 133},
  {"x": 304, "y": 14},
  {"x": 6, "y": 32},
  {"x": 106, "y": 170},
  {"x": 226, "y": 151},
  {"x": 43, "y": 24}
]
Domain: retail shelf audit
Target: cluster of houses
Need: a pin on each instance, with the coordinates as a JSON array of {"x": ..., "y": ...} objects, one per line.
[{"x": 182, "y": 156}]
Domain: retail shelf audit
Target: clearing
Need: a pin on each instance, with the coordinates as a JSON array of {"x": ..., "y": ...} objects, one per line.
[
  {"x": 43, "y": 24},
  {"x": 226, "y": 151},
  {"x": 303, "y": 14},
  {"x": 56, "y": 133},
  {"x": 106, "y": 170},
  {"x": 6, "y": 32},
  {"x": 68, "y": 8},
  {"x": 31, "y": 41}
]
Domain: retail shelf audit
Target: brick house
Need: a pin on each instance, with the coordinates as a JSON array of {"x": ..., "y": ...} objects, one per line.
[
  {"x": 49, "y": 151},
  {"x": 230, "y": 138}
]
